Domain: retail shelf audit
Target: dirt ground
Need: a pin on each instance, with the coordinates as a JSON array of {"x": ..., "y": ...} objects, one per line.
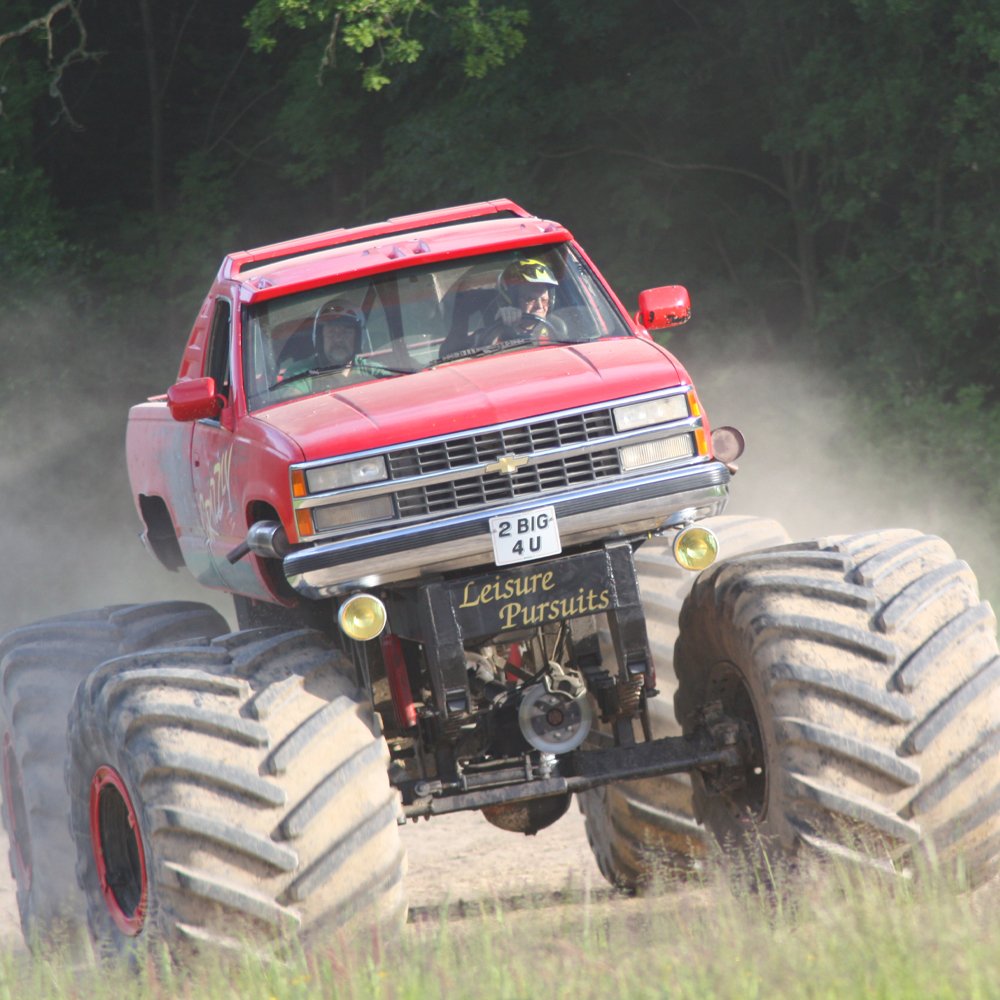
[
  {"x": 454, "y": 861},
  {"x": 461, "y": 859}
]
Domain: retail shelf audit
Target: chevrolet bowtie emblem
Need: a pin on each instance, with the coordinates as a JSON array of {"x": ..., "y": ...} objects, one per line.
[{"x": 507, "y": 465}]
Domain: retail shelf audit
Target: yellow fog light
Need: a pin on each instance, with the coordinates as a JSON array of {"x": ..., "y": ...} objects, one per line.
[
  {"x": 695, "y": 548},
  {"x": 362, "y": 617}
]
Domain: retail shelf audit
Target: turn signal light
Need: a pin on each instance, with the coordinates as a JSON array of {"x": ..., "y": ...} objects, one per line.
[
  {"x": 695, "y": 548},
  {"x": 362, "y": 617},
  {"x": 304, "y": 522}
]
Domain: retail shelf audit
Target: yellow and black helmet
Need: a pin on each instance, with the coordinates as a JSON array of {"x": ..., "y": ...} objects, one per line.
[{"x": 525, "y": 272}]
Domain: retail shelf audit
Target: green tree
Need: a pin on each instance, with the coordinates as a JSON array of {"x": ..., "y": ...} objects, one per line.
[
  {"x": 36, "y": 50},
  {"x": 388, "y": 32}
]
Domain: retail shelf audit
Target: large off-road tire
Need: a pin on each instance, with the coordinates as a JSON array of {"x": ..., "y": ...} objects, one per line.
[
  {"x": 236, "y": 790},
  {"x": 864, "y": 671},
  {"x": 41, "y": 666},
  {"x": 642, "y": 832}
]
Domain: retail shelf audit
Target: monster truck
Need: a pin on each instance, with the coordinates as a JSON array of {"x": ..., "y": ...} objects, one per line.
[{"x": 424, "y": 456}]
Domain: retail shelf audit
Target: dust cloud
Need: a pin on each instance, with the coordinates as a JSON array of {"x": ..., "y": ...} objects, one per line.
[
  {"x": 811, "y": 464},
  {"x": 70, "y": 534}
]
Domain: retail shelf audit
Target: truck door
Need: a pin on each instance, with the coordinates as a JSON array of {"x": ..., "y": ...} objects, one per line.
[{"x": 212, "y": 446}]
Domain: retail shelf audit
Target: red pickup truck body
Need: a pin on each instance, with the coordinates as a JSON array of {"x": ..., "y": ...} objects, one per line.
[{"x": 200, "y": 484}]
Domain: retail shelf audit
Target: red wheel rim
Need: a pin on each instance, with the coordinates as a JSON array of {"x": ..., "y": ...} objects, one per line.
[
  {"x": 17, "y": 814},
  {"x": 118, "y": 851}
]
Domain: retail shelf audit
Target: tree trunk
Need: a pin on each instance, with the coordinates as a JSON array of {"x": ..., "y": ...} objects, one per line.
[{"x": 155, "y": 108}]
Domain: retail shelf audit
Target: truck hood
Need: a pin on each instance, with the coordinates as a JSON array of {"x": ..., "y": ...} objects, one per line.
[{"x": 466, "y": 395}]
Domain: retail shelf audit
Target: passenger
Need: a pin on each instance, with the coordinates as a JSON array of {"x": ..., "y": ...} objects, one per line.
[
  {"x": 329, "y": 345},
  {"x": 336, "y": 336}
]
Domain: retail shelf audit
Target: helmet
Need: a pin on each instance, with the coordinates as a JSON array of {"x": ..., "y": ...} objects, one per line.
[
  {"x": 334, "y": 316},
  {"x": 523, "y": 273}
]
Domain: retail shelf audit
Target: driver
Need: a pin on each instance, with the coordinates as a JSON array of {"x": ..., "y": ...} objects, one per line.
[
  {"x": 526, "y": 289},
  {"x": 520, "y": 312}
]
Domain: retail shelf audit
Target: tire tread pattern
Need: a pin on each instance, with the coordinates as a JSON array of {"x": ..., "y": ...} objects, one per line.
[
  {"x": 41, "y": 665},
  {"x": 641, "y": 831},
  {"x": 260, "y": 784},
  {"x": 879, "y": 719}
]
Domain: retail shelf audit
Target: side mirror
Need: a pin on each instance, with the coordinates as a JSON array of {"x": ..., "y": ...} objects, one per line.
[
  {"x": 194, "y": 399},
  {"x": 660, "y": 308}
]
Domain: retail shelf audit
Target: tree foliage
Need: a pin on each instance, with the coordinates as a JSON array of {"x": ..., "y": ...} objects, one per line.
[
  {"x": 389, "y": 31},
  {"x": 33, "y": 61},
  {"x": 823, "y": 172}
]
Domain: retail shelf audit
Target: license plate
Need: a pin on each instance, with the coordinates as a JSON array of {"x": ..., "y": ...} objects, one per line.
[{"x": 520, "y": 537}]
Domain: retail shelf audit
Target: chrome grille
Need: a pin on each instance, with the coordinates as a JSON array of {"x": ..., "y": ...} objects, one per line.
[
  {"x": 529, "y": 481},
  {"x": 556, "y": 473},
  {"x": 455, "y": 453}
]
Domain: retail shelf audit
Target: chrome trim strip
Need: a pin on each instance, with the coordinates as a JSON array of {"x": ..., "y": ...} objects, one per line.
[
  {"x": 606, "y": 443},
  {"x": 641, "y": 504}
]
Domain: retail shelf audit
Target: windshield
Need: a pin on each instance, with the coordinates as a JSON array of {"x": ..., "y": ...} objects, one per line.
[{"x": 399, "y": 322}]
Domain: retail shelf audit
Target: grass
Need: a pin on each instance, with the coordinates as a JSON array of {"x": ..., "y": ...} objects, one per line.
[{"x": 833, "y": 938}]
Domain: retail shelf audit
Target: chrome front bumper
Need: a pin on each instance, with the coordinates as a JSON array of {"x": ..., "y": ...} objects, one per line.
[{"x": 621, "y": 508}]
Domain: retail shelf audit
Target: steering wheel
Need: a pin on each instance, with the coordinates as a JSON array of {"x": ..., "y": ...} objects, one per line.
[
  {"x": 539, "y": 328},
  {"x": 536, "y": 320},
  {"x": 535, "y": 327},
  {"x": 552, "y": 329}
]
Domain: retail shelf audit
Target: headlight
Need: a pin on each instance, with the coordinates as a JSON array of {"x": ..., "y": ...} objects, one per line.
[
  {"x": 324, "y": 478},
  {"x": 340, "y": 515},
  {"x": 652, "y": 411},
  {"x": 635, "y": 456}
]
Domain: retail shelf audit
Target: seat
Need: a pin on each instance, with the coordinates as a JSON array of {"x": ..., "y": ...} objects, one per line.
[
  {"x": 298, "y": 352},
  {"x": 469, "y": 315}
]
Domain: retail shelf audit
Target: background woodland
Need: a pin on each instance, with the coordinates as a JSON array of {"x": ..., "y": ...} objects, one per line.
[{"x": 823, "y": 176}]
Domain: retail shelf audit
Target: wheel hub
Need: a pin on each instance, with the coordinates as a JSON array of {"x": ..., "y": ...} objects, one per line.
[
  {"x": 732, "y": 720},
  {"x": 118, "y": 851}
]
